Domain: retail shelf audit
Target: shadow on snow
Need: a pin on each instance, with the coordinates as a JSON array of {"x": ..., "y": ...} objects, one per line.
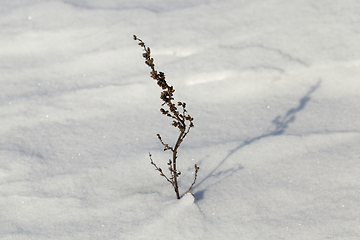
[{"x": 280, "y": 125}]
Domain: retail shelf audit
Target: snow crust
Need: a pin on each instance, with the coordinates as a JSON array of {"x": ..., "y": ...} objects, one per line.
[{"x": 274, "y": 89}]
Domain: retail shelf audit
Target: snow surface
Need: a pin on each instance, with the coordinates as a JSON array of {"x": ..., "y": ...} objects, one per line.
[{"x": 274, "y": 89}]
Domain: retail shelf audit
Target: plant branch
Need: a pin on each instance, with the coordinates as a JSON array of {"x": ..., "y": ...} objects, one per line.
[
  {"x": 160, "y": 170},
  {"x": 196, "y": 172},
  {"x": 183, "y": 121}
]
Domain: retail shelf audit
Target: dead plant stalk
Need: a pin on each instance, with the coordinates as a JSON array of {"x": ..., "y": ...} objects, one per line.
[{"x": 181, "y": 120}]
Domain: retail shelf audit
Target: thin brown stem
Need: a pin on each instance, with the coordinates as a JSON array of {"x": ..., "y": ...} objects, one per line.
[
  {"x": 196, "y": 172},
  {"x": 181, "y": 120},
  {"x": 160, "y": 170}
]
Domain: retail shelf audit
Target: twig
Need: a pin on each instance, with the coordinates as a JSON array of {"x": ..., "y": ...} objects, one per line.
[
  {"x": 196, "y": 172},
  {"x": 183, "y": 121},
  {"x": 159, "y": 169}
]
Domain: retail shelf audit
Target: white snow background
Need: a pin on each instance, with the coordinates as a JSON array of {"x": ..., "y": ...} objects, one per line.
[{"x": 274, "y": 89}]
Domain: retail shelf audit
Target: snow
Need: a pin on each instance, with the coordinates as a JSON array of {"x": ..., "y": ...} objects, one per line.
[{"x": 273, "y": 87}]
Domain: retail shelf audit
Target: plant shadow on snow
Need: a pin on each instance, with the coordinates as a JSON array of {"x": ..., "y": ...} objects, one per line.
[{"x": 280, "y": 123}]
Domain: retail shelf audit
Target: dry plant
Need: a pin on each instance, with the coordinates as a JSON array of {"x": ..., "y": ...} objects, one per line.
[{"x": 180, "y": 119}]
